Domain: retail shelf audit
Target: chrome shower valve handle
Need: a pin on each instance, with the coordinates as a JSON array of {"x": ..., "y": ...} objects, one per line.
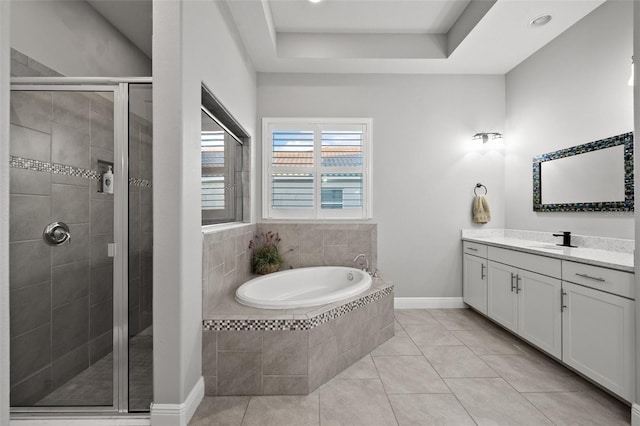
[{"x": 56, "y": 234}]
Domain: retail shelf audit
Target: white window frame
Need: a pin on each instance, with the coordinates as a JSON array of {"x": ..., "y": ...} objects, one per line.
[{"x": 317, "y": 125}]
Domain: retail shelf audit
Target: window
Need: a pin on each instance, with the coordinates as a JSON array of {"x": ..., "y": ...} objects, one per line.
[
  {"x": 316, "y": 168},
  {"x": 221, "y": 159}
]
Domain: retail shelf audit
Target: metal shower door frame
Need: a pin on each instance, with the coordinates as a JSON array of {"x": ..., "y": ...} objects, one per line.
[{"x": 120, "y": 90}]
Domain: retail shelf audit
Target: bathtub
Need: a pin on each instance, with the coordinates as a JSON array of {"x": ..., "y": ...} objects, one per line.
[{"x": 299, "y": 288}]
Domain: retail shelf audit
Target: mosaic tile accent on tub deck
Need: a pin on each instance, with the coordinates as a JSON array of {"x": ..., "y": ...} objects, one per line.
[
  {"x": 62, "y": 169},
  {"x": 625, "y": 139},
  {"x": 296, "y": 324}
]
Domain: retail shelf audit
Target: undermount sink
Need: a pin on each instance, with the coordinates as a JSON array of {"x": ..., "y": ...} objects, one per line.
[{"x": 547, "y": 246}]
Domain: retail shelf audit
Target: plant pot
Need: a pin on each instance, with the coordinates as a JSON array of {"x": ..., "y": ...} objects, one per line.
[{"x": 267, "y": 269}]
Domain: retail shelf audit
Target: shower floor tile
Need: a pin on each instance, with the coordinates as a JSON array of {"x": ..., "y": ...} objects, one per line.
[
  {"x": 94, "y": 385},
  {"x": 486, "y": 392}
]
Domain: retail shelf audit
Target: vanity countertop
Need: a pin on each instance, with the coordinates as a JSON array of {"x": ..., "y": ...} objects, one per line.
[{"x": 591, "y": 256}]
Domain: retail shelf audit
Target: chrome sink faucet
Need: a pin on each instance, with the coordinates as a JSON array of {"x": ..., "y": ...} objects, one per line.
[{"x": 363, "y": 265}]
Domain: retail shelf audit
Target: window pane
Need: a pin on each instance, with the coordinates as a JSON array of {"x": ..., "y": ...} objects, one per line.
[
  {"x": 292, "y": 191},
  {"x": 341, "y": 191},
  {"x": 342, "y": 149},
  {"x": 292, "y": 148},
  {"x": 213, "y": 192},
  {"x": 213, "y": 159}
]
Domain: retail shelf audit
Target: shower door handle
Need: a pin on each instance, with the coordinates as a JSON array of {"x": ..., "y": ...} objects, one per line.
[{"x": 56, "y": 234}]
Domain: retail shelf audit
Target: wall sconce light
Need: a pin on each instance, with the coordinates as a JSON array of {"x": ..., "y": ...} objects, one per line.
[
  {"x": 632, "y": 78},
  {"x": 484, "y": 137}
]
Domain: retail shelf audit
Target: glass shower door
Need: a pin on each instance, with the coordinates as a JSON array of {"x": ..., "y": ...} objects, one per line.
[{"x": 61, "y": 253}]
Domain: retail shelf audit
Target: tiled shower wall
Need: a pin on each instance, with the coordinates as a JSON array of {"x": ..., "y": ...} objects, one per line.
[
  {"x": 61, "y": 297},
  {"x": 226, "y": 255},
  {"x": 140, "y": 224}
]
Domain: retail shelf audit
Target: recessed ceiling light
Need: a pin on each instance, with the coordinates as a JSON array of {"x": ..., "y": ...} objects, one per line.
[
  {"x": 540, "y": 21},
  {"x": 315, "y": 1}
]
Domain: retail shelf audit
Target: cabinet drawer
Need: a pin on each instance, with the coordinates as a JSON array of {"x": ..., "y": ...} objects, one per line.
[
  {"x": 474, "y": 249},
  {"x": 609, "y": 280},
  {"x": 530, "y": 262}
]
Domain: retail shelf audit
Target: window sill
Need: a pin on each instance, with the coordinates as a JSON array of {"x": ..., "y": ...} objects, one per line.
[{"x": 218, "y": 227}]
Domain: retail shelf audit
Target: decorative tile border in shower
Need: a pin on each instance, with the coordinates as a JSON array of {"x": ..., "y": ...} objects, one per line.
[
  {"x": 140, "y": 182},
  {"x": 45, "y": 166},
  {"x": 62, "y": 169},
  {"x": 296, "y": 324}
]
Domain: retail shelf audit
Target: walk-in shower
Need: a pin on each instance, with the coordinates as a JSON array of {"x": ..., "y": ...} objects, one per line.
[{"x": 81, "y": 245}]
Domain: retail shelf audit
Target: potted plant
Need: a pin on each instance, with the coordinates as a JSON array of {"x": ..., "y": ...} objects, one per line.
[{"x": 266, "y": 258}]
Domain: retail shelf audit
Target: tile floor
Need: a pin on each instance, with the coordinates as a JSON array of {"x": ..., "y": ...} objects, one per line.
[
  {"x": 94, "y": 385},
  {"x": 443, "y": 367}
]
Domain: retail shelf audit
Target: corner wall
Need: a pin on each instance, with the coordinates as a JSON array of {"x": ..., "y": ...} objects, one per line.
[
  {"x": 572, "y": 91},
  {"x": 74, "y": 39},
  {"x": 425, "y": 165},
  {"x": 4, "y": 212},
  {"x": 194, "y": 43}
]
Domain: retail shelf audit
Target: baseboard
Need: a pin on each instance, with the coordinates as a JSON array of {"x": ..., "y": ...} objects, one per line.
[
  {"x": 635, "y": 415},
  {"x": 80, "y": 421},
  {"x": 428, "y": 303},
  {"x": 178, "y": 414}
]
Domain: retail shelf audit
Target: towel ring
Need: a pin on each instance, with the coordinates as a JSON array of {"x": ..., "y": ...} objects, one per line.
[{"x": 479, "y": 185}]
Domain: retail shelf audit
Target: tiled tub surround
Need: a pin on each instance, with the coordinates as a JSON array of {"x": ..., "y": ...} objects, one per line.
[
  {"x": 325, "y": 244},
  {"x": 293, "y": 352},
  {"x": 249, "y": 351},
  {"x": 226, "y": 262},
  {"x": 599, "y": 251}
]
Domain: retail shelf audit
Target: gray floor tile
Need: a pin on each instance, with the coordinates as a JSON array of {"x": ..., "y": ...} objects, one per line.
[
  {"x": 578, "y": 408},
  {"x": 460, "y": 319},
  {"x": 527, "y": 375},
  {"x": 483, "y": 342},
  {"x": 494, "y": 402},
  {"x": 283, "y": 410},
  {"x": 409, "y": 374},
  {"x": 431, "y": 335},
  {"x": 457, "y": 361},
  {"x": 414, "y": 316},
  {"x": 363, "y": 369},
  {"x": 429, "y": 409},
  {"x": 354, "y": 402},
  {"x": 220, "y": 410},
  {"x": 400, "y": 344}
]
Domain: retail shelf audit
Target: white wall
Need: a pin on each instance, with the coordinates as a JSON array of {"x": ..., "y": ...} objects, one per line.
[
  {"x": 572, "y": 91},
  {"x": 193, "y": 43},
  {"x": 73, "y": 39},
  {"x": 425, "y": 165},
  {"x": 4, "y": 213}
]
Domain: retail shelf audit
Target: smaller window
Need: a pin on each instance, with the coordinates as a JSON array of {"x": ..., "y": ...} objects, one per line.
[
  {"x": 316, "y": 168},
  {"x": 221, "y": 161}
]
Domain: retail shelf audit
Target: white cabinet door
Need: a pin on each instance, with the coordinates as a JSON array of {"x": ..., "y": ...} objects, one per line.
[
  {"x": 474, "y": 282},
  {"x": 539, "y": 315},
  {"x": 502, "y": 301},
  {"x": 598, "y": 336}
]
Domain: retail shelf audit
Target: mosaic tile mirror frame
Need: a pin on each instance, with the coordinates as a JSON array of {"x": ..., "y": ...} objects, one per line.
[{"x": 627, "y": 204}]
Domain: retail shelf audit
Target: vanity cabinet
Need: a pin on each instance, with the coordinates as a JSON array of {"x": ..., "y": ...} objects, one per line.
[
  {"x": 579, "y": 313},
  {"x": 598, "y": 326},
  {"x": 474, "y": 276},
  {"x": 528, "y": 304}
]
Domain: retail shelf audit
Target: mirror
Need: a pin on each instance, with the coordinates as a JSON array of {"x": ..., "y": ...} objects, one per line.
[{"x": 595, "y": 176}]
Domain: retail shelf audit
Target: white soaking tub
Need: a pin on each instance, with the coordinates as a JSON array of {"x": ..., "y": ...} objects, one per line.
[{"x": 299, "y": 288}]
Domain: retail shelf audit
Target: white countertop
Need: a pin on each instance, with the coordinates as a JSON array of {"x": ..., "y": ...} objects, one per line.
[{"x": 605, "y": 258}]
